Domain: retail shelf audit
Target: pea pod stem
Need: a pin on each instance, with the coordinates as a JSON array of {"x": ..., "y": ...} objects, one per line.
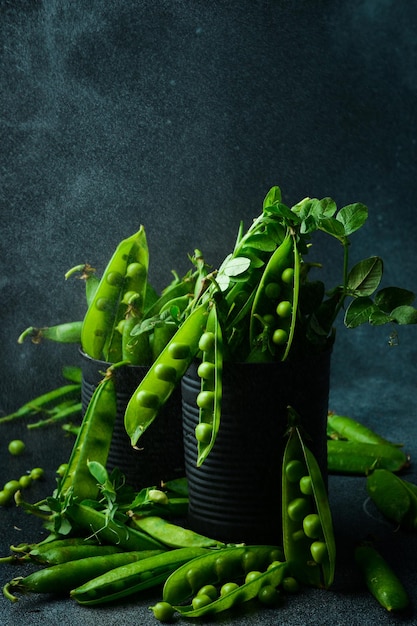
[{"x": 68, "y": 332}]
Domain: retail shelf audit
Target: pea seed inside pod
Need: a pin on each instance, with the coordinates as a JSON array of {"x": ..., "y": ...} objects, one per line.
[
  {"x": 178, "y": 351},
  {"x": 280, "y": 336},
  {"x": 166, "y": 373},
  {"x": 284, "y": 309},
  {"x": 147, "y": 399},
  {"x": 318, "y": 551},
  {"x": 206, "y": 370},
  {"x": 272, "y": 291},
  {"x": 203, "y": 432},
  {"x": 103, "y": 304},
  {"x": 298, "y": 509},
  {"x": 287, "y": 276},
  {"x": 114, "y": 279},
  {"x": 294, "y": 470},
  {"x": 135, "y": 270},
  {"x": 306, "y": 485},
  {"x": 206, "y": 342},
  {"x": 205, "y": 400},
  {"x": 312, "y": 526}
]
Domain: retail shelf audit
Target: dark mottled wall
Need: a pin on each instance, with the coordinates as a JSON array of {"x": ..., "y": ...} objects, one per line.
[{"x": 180, "y": 115}]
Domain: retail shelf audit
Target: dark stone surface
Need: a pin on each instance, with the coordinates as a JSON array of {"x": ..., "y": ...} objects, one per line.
[{"x": 180, "y": 116}]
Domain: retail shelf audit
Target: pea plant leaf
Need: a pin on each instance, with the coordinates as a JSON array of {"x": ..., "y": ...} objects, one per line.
[
  {"x": 359, "y": 312},
  {"x": 236, "y": 266},
  {"x": 332, "y": 226},
  {"x": 364, "y": 278},
  {"x": 389, "y": 298},
  {"x": 353, "y": 217},
  {"x": 404, "y": 315},
  {"x": 272, "y": 197}
]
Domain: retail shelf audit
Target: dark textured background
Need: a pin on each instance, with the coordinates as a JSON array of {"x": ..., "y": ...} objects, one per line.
[{"x": 180, "y": 115}]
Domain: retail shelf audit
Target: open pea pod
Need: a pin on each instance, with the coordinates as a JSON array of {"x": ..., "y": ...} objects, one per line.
[
  {"x": 209, "y": 399},
  {"x": 275, "y": 305},
  {"x": 126, "y": 270},
  {"x": 165, "y": 373},
  {"x": 308, "y": 538}
]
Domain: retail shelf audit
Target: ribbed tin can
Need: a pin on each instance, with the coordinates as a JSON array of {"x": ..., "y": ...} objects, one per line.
[
  {"x": 235, "y": 495},
  {"x": 160, "y": 453}
]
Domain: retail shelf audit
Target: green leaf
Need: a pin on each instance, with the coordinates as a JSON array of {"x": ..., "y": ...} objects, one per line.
[
  {"x": 359, "y": 312},
  {"x": 404, "y": 315},
  {"x": 236, "y": 266},
  {"x": 353, "y": 217},
  {"x": 332, "y": 226},
  {"x": 389, "y": 298},
  {"x": 378, "y": 317},
  {"x": 223, "y": 281},
  {"x": 260, "y": 241},
  {"x": 273, "y": 196},
  {"x": 365, "y": 276},
  {"x": 98, "y": 471}
]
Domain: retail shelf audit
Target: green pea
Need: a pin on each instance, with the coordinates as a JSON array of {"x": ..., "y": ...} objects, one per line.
[
  {"x": 318, "y": 551},
  {"x": 11, "y": 487},
  {"x": 298, "y": 509},
  {"x": 200, "y": 600},
  {"x": 290, "y": 584},
  {"x": 178, "y": 351},
  {"x": 287, "y": 276},
  {"x": 312, "y": 526},
  {"x": 294, "y": 470},
  {"x": 114, "y": 279},
  {"x": 37, "y": 473},
  {"x": 131, "y": 297},
  {"x": 206, "y": 370},
  {"x": 284, "y": 309},
  {"x": 269, "y": 320},
  {"x": 147, "y": 399},
  {"x": 16, "y": 447},
  {"x": 272, "y": 291},
  {"x": 135, "y": 270},
  {"x": 103, "y": 304},
  {"x": 270, "y": 596},
  {"x": 227, "y": 588},
  {"x": 252, "y": 575},
  {"x": 166, "y": 373},
  {"x": 209, "y": 590},
  {"x": 62, "y": 469},
  {"x": 158, "y": 496},
  {"x": 5, "y": 497},
  {"x": 306, "y": 485},
  {"x": 25, "y": 481},
  {"x": 163, "y": 611},
  {"x": 206, "y": 342},
  {"x": 203, "y": 432},
  {"x": 279, "y": 337},
  {"x": 205, "y": 399}
]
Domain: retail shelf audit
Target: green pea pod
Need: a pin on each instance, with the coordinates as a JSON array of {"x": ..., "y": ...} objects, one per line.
[
  {"x": 55, "y": 555},
  {"x": 161, "y": 379},
  {"x": 110, "y": 530},
  {"x": 69, "y": 332},
  {"x": 309, "y": 544},
  {"x": 242, "y": 593},
  {"x": 177, "y": 289},
  {"x": 93, "y": 441},
  {"x": 60, "y": 579},
  {"x": 172, "y": 535},
  {"x": 350, "y": 429},
  {"x": 394, "y": 497},
  {"x": 100, "y": 319},
  {"x": 380, "y": 579},
  {"x": 275, "y": 304},
  {"x": 73, "y": 409},
  {"x": 45, "y": 401},
  {"x": 133, "y": 578},
  {"x": 216, "y": 567},
  {"x": 72, "y": 373},
  {"x": 209, "y": 399},
  {"x": 355, "y": 457}
]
